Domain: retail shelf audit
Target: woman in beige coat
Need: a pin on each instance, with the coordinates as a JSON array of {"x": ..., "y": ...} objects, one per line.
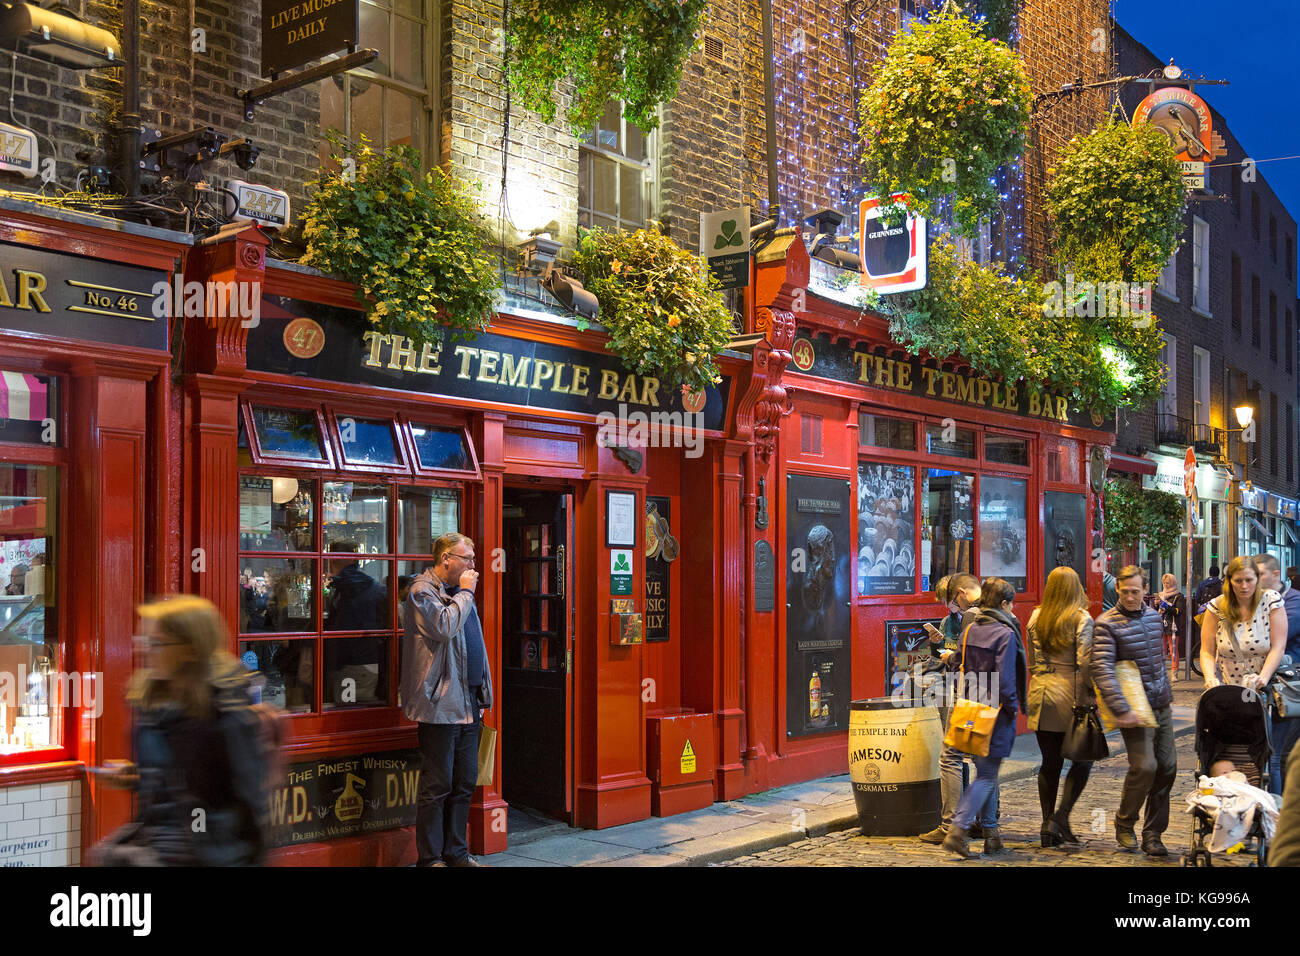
[{"x": 1060, "y": 655}]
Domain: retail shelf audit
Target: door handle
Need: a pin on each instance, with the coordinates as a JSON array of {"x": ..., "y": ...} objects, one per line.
[{"x": 560, "y": 579}]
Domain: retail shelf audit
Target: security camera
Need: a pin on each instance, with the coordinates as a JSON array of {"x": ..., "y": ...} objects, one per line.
[{"x": 245, "y": 153}]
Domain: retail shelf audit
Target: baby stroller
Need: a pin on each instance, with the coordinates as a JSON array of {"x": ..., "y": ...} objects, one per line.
[{"x": 1229, "y": 724}]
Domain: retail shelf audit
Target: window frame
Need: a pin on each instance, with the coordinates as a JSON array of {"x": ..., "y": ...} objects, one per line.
[
  {"x": 1200, "y": 265},
  {"x": 261, "y": 457},
  {"x": 1200, "y": 386},
  {"x": 1167, "y": 281},
  {"x": 648, "y": 169}
]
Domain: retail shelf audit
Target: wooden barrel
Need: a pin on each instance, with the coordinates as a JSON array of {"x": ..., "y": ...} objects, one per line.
[{"x": 894, "y": 766}]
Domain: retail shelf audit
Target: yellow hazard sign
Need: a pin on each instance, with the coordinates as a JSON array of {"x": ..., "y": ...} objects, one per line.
[{"x": 688, "y": 759}]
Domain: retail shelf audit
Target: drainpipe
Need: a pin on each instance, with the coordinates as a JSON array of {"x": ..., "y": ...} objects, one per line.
[
  {"x": 769, "y": 96},
  {"x": 129, "y": 127}
]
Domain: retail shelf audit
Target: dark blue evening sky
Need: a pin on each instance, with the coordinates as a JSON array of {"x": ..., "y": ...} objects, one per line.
[{"x": 1252, "y": 43}]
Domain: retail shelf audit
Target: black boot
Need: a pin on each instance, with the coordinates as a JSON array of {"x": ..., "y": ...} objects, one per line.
[
  {"x": 1048, "y": 836},
  {"x": 1075, "y": 781}
]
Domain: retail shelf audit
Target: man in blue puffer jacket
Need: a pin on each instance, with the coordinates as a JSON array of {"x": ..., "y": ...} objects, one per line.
[{"x": 1132, "y": 631}]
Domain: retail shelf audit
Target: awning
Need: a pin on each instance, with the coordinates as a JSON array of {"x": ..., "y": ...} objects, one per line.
[
  {"x": 1259, "y": 525},
  {"x": 23, "y": 397},
  {"x": 1136, "y": 466}
]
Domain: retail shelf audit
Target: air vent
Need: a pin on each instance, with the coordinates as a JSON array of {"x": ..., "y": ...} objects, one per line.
[
  {"x": 713, "y": 48},
  {"x": 811, "y": 443}
]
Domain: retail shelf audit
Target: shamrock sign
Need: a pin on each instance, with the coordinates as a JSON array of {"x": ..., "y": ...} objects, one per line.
[
  {"x": 729, "y": 236},
  {"x": 621, "y": 564}
]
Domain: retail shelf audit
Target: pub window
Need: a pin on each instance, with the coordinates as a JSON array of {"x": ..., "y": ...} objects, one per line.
[
  {"x": 31, "y": 652},
  {"x": 1006, "y": 449},
  {"x": 29, "y": 409},
  {"x": 292, "y": 434},
  {"x": 949, "y": 440},
  {"x": 878, "y": 431},
  {"x": 1003, "y": 542},
  {"x": 1063, "y": 461},
  {"x": 386, "y": 101},
  {"x": 367, "y": 442},
  {"x": 615, "y": 166},
  {"x": 947, "y": 523},
  {"x": 442, "y": 449},
  {"x": 886, "y": 529}
]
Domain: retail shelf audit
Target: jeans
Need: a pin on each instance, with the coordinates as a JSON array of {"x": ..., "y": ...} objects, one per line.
[
  {"x": 448, "y": 775},
  {"x": 1286, "y": 732},
  {"x": 981, "y": 797},
  {"x": 951, "y": 784},
  {"x": 1152, "y": 767}
]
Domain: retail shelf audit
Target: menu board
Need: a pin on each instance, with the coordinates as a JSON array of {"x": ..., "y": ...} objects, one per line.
[{"x": 254, "y": 505}]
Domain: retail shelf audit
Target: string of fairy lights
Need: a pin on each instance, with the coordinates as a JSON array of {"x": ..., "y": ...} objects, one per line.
[{"x": 817, "y": 114}]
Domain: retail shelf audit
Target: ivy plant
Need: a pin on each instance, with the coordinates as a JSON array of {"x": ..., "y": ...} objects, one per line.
[
  {"x": 1116, "y": 201},
  {"x": 1148, "y": 515},
  {"x": 629, "y": 50},
  {"x": 947, "y": 107},
  {"x": 660, "y": 303},
  {"x": 413, "y": 242}
]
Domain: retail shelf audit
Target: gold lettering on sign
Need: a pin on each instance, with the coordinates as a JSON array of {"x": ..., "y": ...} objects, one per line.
[
  {"x": 558, "y": 385},
  {"x": 608, "y": 384},
  {"x": 30, "y": 287},
  {"x": 487, "y": 365},
  {"x": 427, "y": 364},
  {"x": 514, "y": 372},
  {"x": 375, "y": 341},
  {"x": 930, "y": 375},
  {"x": 579, "y": 386},
  {"x": 400, "y": 355},
  {"x": 650, "y": 391},
  {"x": 543, "y": 371},
  {"x": 466, "y": 353}
]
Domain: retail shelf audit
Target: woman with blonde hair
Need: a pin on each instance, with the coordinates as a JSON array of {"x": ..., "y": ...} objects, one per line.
[
  {"x": 203, "y": 750},
  {"x": 1060, "y": 658}
]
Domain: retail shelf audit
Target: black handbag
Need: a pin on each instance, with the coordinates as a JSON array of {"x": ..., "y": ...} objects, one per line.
[
  {"x": 1085, "y": 740},
  {"x": 1284, "y": 691}
]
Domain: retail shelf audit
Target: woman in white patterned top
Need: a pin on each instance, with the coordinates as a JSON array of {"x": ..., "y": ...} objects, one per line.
[{"x": 1258, "y": 622}]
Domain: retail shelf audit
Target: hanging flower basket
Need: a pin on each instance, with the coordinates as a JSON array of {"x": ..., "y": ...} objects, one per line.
[
  {"x": 946, "y": 109},
  {"x": 1134, "y": 514},
  {"x": 661, "y": 305},
  {"x": 413, "y": 243},
  {"x": 629, "y": 50}
]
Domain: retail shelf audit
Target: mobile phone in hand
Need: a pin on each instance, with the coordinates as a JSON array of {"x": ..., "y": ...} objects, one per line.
[{"x": 936, "y": 635}]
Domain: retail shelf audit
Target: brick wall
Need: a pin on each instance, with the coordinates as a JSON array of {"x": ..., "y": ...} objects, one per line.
[{"x": 40, "y": 825}]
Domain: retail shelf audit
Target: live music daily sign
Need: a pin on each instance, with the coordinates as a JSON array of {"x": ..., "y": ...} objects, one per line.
[{"x": 295, "y": 32}]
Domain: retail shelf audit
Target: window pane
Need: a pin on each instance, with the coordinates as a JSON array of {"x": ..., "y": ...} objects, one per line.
[
  {"x": 356, "y": 517},
  {"x": 605, "y": 175},
  {"x": 356, "y": 595},
  {"x": 1006, "y": 450},
  {"x": 373, "y": 33},
  {"x": 408, "y": 57},
  {"x": 608, "y": 129},
  {"x": 276, "y": 594},
  {"x": 288, "y": 433},
  {"x": 289, "y": 669},
  {"x": 886, "y": 522},
  {"x": 26, "y": 401},
  {"x": 366, "y": 102},
  {"x": 356, "y": 672},
  {"x": 407, "y": 571},
  {"x": 414, "y": 8},
  {"x": 630, "y": 197},
  {"x": 423, "y": 515},
  {"x": 947, "y": 521},
  {"x": 962, "y": 446},
  {"x": 29, "y": 643},
  {"x": 636, "y": 143},
  {"x": 405, "y": 118},
  {"x": 1002, "y": 530},
  {"x": 441, "y": 448},
  {"x": 243, "y": 456},
  {"x": 880, "y": 432},
  {"x": 367, "y": 441},
  {"x": 331, "y": 112},
  {"x": 275, "y": 514}
]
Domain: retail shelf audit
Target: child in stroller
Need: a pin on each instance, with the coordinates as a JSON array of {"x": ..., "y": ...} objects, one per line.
[{"x": 1231, "y": 738}]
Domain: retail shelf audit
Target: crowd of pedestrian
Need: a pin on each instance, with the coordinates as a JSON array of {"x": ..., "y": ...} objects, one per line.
[{"x": 1242, "y": 627}]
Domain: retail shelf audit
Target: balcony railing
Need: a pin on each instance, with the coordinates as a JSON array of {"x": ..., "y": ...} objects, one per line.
[{"x": 1173, "y": 431}]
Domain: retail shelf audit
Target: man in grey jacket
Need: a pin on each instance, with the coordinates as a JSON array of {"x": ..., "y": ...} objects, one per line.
[
  {"x": 1132, "y": 631},
  {"x": 446, "y": 684}
]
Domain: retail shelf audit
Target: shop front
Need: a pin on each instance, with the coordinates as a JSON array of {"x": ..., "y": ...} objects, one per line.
[
  {"x": 324, "y": 458},
  {"x": 893, "y": 471},
  {"x": 1212, "y": 540},
  {"x": 84, "y": 520}
]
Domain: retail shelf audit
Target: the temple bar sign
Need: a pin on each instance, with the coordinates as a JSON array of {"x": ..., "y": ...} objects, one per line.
[{"x": 295, "y": 32}]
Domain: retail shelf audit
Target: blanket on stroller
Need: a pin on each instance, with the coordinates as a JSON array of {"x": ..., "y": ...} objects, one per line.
[{"x": 1233, "y": 806}]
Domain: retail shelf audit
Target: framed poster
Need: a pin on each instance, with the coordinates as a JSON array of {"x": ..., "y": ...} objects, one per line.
[
  {"x": 886, "y": 527},
  {"x": 906, "y": 645},
  {"x": 1003, "y": 541},
  {"x": 620, "y": 519},
  {"x": 819, "y": 593},
  {"x": 659, "y": 548},
  {"x": 1065, "y": 533}
]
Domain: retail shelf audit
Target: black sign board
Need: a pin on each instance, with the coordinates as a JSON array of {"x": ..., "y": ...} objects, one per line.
[
  {"x": 907, "y": 645},
  {"x": 1065, "y": 533},
  {"x": 658, "y": 582},
  {"x": 490, "y": 367},
  {"x": 77, "y": 297},
  {"x": 295, "y": 32},
  {"x": 816, "y": 354},
  {"x": 818, "y": 596},
  {"x": 764, "y": 577},
  {"x": 342, "y": 796}
]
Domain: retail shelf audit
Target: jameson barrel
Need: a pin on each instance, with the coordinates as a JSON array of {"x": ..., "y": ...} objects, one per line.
[{"x": 894, "y": 766}]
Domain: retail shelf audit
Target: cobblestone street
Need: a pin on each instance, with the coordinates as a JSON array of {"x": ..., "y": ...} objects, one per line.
[{"x": 1092, "y": 821}]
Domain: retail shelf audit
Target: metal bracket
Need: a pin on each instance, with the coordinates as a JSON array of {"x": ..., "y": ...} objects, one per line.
[{"x": 255, "y": 97}]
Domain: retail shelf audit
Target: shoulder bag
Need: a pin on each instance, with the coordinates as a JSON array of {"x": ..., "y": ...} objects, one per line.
[
  {"x": 970, "y": 726},
  {"x": 1284, "y": 691},
  {"x": 1085, "y": 741}
]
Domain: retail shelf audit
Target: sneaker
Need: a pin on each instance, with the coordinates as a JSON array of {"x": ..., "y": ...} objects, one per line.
[
  {"x": 956, "y": 842},
  {"x": 1125, "y": 837},
  {"x": 934, "y": 836},
  {"x": 1152, "y": 846},
  {"x": 468, "y": 861}
]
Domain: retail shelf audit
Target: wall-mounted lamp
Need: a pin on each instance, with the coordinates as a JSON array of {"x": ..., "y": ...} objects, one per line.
[
  {"x": 58, "y": 38},
  {"x": 1244, "y": 415},
  {"x": 826, "y": 223},
  {"x": 569, "y": 292},
  {"x": 537, "y": 253}
]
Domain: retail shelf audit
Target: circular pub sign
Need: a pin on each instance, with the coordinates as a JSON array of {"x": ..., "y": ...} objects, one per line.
[
  {"x": 802, "y": 354},
  {"x": 692, "y": 399},
  {"x": 304, "y": 338}
]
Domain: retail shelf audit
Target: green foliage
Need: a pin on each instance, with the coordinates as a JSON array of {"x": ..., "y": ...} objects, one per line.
[
  {"x": 997, "y": 324},
  {"x": 946, "y": 108},
  {"x": 630, "y": 50},
  {"x": 1134, "y": 514},
  {"x": 1116, "y": 199},
  {"x": 660, "y": 303},
  {"x": 413, "y": 243}
]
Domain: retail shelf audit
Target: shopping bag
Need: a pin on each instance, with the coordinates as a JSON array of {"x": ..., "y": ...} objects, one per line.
[
  {"x": 1130, "y": 685},
  {"x": 487, "y": 755}
]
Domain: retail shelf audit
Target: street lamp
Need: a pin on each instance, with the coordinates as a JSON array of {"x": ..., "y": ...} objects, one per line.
[{"x": 1245, "y": 415}]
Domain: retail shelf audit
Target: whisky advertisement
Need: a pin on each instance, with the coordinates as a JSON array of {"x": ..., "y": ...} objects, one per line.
[
  {"x": 345, "y": 796},
  {"x": 819, "y": 592}
]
